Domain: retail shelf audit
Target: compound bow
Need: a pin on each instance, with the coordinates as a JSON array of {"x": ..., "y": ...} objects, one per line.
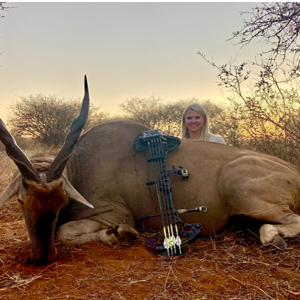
[{"x": 159, "y": 146}]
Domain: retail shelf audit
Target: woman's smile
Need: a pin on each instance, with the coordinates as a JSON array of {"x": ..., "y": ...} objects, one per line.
[{"x": 194, "y": 122}]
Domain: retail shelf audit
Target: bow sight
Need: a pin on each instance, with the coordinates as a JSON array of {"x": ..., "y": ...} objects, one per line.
[{"x": 159, "y": 146}]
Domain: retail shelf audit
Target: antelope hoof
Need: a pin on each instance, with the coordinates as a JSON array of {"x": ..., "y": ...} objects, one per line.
[
  {"x": 279, "y": 242},
  {"x": 125, "y": 232}
]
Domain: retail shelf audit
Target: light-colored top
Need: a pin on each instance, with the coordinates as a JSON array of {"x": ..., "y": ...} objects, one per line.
[{"x": 216, "y": 139}]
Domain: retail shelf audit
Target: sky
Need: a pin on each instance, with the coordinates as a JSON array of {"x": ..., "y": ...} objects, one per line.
[{"x": 127, "y": 50}]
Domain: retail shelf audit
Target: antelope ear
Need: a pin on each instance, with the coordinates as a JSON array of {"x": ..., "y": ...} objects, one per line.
[
  {"x": 11, "y": 190},
  {"x": 72, "y": 193}
]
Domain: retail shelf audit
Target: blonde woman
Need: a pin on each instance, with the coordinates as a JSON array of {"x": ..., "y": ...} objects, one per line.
[{"x": 194, "y": 125}]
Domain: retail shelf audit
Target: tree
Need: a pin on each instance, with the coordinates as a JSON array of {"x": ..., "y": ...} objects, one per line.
[
  {"x": 47, "y": 118},
  {"x": 276, "y": 24},
  {"x": 268, "y": 114},
  {"x": 144, "y": 111},
  {"x": 2, "y": 8}
]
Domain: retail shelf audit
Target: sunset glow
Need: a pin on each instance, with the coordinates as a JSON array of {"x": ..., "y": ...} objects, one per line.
[{"x": 126, "y": 50}]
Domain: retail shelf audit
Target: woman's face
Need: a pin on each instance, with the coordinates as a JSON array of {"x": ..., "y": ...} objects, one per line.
[{"x": 194, "y": 122}]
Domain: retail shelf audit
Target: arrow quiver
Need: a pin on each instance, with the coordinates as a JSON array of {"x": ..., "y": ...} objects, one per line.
[{"x": 174, "y": 229}]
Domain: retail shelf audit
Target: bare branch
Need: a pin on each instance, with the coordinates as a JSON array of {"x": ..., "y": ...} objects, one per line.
[{"x": 276, "y": 24}]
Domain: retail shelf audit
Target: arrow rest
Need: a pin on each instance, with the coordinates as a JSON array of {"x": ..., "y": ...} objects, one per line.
[{"x": 174, "y": 228}]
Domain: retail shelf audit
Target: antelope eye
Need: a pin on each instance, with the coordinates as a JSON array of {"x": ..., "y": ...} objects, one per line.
[{"x": 20, "y": 201}]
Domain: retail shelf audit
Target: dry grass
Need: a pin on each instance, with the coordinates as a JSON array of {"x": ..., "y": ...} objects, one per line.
[
  {"x": 95, "y": 271},
  {"x": 13, "y": 280},
  {"x": 231, "y": 265}
]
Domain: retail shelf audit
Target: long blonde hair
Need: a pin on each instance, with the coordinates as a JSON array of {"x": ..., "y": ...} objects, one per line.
[{"x": 205, "y": 134}]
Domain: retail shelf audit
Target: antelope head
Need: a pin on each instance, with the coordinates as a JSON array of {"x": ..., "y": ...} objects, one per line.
[{"x": 43, "y": 191}]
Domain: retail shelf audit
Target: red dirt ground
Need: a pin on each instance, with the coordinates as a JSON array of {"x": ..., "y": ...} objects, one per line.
[{"x": 232, "y": 265}]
